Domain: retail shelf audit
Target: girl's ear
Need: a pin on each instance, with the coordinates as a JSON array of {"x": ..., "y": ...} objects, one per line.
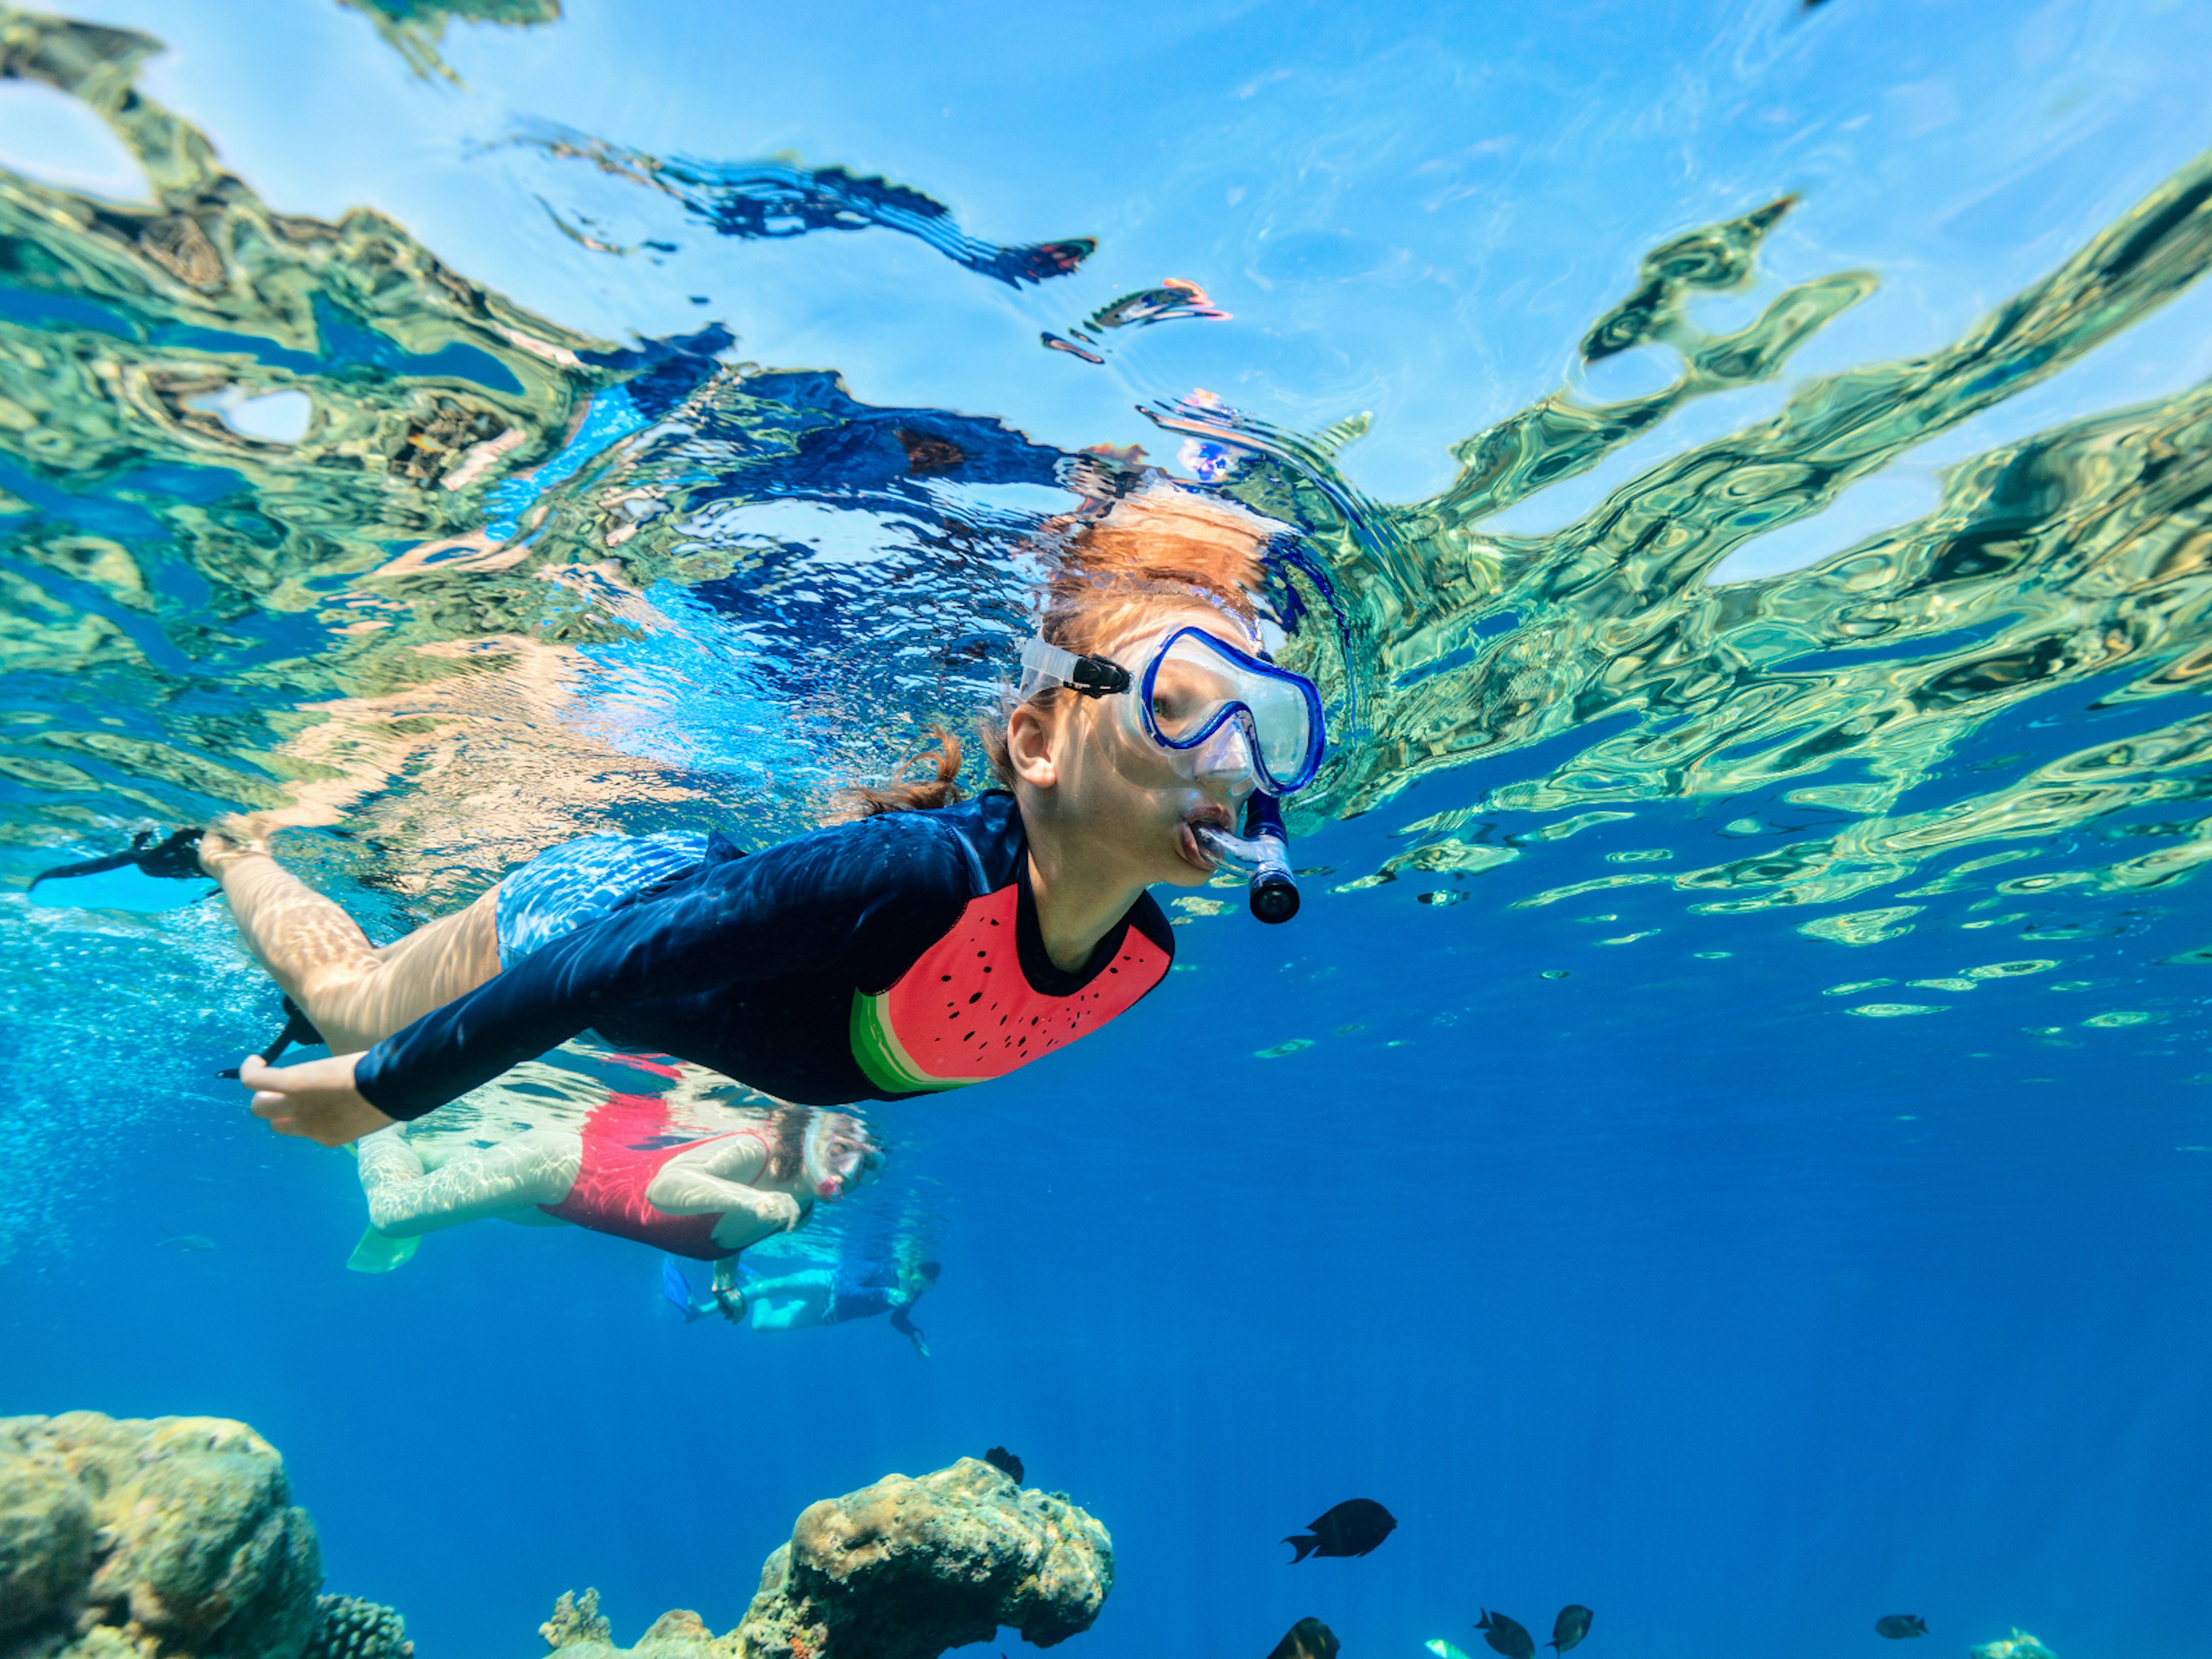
[{"x": 1029, "y": 746}]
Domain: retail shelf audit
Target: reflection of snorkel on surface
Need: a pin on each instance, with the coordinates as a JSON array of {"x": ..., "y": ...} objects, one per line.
[{"x": 1262, "y": 853}]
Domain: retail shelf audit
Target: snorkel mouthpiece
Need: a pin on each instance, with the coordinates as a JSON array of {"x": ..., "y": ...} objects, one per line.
[{"x": 1262, "y": 853}]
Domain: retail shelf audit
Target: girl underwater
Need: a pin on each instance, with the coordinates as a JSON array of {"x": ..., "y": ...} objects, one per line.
[
  {"x": 672, "y": 1170},
  {"x": 925, "y": 943}
]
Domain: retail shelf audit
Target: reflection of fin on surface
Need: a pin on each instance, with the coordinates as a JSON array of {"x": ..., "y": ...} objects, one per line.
[{"x": 379, "y": 1254}]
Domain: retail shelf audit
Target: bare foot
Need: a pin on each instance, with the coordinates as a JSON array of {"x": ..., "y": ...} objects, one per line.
[{"x": 228, "y": 840}]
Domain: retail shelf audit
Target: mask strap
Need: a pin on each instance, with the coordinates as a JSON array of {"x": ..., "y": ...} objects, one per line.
[{"x": 1046, "y": 663}]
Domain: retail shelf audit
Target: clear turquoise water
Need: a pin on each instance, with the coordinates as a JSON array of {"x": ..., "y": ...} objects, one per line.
[{"x": 1662, "y": 1212}]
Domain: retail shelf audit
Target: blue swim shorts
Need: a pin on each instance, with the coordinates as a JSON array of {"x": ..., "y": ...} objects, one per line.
[{"x": 566, "y": 887}]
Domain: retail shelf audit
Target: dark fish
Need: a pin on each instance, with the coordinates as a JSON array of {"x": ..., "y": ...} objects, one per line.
[
  {"x": 1308, "y": 1639},
  {"x": 1899, "y": 1626},
  {"x": 1506, "y": 1637},
  {"x": 1004, "y": 1460},
  {"x": 1570, "y": 1627},
  {"x": 1352, "y": 1527}
]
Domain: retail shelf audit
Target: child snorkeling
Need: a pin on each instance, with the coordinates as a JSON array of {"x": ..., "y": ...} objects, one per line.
[
  {"x": 832, "y": 1294},
  {"x": 632, "y": 1170},
  {"x": 925, "y": 943}
]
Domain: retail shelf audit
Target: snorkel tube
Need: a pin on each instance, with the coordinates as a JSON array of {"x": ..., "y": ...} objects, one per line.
[{"x": 1262, "y": 853}]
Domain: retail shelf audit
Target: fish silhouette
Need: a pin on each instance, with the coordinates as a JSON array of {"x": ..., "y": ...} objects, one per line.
[
  {"x": 187, "y": 1242},
  {"x": 1354, "y": 1528},
  {"x": 1307, "y": 1639},
  {"x": 1899, "y": 1625},
  {"x": 1506, "y": 1637},
  {"x": 1570, "y": 1627},
  {"x": 1005, "y": 1462}
]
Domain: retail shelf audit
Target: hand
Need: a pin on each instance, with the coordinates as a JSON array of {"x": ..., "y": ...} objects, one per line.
[
  {"x": 316, "y": 1100},
  {"x": 781, "y": 1211}
]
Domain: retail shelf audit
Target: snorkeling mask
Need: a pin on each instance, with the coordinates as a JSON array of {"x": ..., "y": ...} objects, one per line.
[
  {"x": 1200, "y": 701},
  {"x": 839, "y": 1155},
  {"x": 1216, "y": 709}
]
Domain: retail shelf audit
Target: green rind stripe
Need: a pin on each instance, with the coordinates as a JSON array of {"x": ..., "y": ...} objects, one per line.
[{"x": 878, "y": 1051}]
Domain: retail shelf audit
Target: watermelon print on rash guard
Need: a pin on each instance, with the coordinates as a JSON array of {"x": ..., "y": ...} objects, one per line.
[{"x": 894, "y": 957}]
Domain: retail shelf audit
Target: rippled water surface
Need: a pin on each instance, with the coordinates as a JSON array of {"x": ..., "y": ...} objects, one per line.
[{"x": 1726, "y": 1141}]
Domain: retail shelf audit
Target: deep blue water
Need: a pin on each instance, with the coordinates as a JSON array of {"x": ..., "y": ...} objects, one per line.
[{"x": 1595, "y": 1233}]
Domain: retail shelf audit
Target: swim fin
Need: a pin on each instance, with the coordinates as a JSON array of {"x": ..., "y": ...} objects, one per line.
[
  {"x": 676, "y": 1290},
  {"x": 378, "y": 1253},
  {"x": 176, "y": 859}
]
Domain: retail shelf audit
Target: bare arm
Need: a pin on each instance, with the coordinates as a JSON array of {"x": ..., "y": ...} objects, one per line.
[{"x": 690, "y": 1189}]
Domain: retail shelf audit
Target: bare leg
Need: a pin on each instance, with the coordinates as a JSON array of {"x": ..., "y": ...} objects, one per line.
[
  {"x": 354, "y": 992},
  {"x": 404, "y": 1201}
]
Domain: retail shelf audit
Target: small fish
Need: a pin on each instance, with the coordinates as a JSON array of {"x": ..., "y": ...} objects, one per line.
[
  {"x": 1899, "y": 1625},
  {"x": 1506, "y": 1637},
  {"x": 1570, "y": 1627},
  {"x": 1004, "y": 1460},
  {"x": 185, "y": 1242},
  {"x": 1354, "y": 1526},
  {"x": 1308, "y": 1639}
]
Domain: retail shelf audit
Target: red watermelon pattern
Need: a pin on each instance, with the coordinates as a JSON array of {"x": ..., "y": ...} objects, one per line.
[{"x": 965, "y": 1013}]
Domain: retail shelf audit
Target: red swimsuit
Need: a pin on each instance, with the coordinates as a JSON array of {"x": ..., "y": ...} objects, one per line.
[{"x": 627, "y": 1140}]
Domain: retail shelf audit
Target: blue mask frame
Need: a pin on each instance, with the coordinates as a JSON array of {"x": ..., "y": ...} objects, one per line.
[{"x": 1308, "y": 766}]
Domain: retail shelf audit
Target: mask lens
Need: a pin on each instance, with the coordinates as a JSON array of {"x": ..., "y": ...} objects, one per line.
[
  {"x": 1197, "y": 680},
  {"x": 1192, "y": 686}
]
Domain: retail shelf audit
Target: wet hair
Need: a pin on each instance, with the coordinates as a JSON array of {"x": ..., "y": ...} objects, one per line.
[
  {"x": 786, "y": 1142},
  {"x": 1107, "y": 568},
  {"x": 903, "y": 794}
]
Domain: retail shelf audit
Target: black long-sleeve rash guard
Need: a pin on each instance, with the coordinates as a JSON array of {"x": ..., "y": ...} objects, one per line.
[{"x": 876, "y": 960}]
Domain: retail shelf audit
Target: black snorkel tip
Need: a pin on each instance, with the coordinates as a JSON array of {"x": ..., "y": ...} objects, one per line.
[{"x": 1274, "y": 898}]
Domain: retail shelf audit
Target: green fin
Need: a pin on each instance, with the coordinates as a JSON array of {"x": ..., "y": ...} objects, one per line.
[{"x": 376, "y": 1254}]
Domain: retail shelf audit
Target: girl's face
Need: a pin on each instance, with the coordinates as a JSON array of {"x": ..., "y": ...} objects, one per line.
[{"x": 1132, "y": 804}]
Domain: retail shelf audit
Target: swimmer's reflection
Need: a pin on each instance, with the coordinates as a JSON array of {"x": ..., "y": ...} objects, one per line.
[{"x": 630, "y": 1168}]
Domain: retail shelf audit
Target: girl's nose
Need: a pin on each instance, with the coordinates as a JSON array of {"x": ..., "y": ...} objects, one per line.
[{"x": 1226, "y": 760}]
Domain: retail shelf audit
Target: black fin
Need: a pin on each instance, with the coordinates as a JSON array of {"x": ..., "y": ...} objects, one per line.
[
  {"x": 176, "y": 859},
  {"x": 1305, "y": 1543},
  {"x": 97, "y": 866}
]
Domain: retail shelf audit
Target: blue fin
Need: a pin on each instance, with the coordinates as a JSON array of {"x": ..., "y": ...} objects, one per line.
[{"x": 677, "y": 1289}]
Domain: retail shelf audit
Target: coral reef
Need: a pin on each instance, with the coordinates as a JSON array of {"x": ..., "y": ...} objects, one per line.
[
  {"x": 904, "y": 1569},
  {"x": 348, "y": 1627},
  {"x": 175, "y": 1536}
]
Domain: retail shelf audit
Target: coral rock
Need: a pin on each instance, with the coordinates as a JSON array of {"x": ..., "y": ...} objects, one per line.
[
  {"x": 905, "y": 1568},
  {"x": 175, "y": 1534},
  {"x": 901, "y": 1570},
  {"x": 348, "y": 1627}
]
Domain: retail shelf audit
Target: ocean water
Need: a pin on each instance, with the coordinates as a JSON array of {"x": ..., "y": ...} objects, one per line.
[{"x": 1728, "y": 1140}]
